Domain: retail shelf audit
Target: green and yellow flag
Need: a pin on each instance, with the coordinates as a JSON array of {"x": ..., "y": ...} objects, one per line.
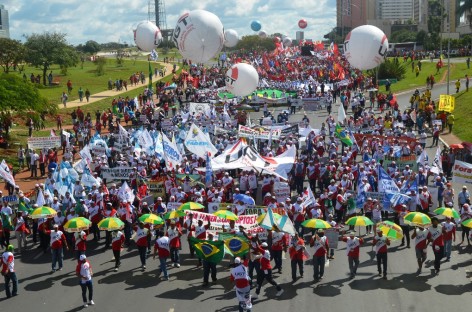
[
  {"x": 150, "y": 76},
  {"x": 22, "y": 207},
  {"x": 341, "y": 134},
  {"x": 237, "y": 245},
  {"x": 211, "y": 251}
]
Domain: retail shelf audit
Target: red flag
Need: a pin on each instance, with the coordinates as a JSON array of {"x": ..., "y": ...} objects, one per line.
[{"x": 335, "y": 49}]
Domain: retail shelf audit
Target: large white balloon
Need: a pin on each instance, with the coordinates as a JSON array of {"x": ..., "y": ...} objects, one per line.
[
  {"x": 147, "y": 36},
  {"x": 199, "y": 35},
  {"x": 263, "y": 34},
  {"x": 231, "y": 38},
  {"x": 365, "y": 47},
  {"x": 241, "y": 79},
  {"x": 287, "y": 41}
]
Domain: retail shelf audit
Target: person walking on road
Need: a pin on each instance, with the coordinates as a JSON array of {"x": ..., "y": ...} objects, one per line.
[
  {"x": 175, "y": 244},
  {"x": 381, "y": 244},
  {"x": 435, "y": 237},
  {"x": 420, "y": 235},
  {"x": 265, "y": 273},
  {"x": 449, "y": 235},
  {"x": 241, "y": 279},
  {"x": 405, "y": 227},
  {"x": 117, "y": 241},
  {"x": 58, "y": 242},
  {"x": 85, "y": 273},
  {"x": 142, "y": 236},
  {"x": 465, "y": 214},
  {"x": 64, "y": 98},
  {"x": 458, "y": 85},
  {"x": 319, "y": 242},
  {"x": 162, "y": 250},
  {"x": 297, "y": 255},
  {"x": 8, "y": 271},
  {"x": 353, "y": 245}
]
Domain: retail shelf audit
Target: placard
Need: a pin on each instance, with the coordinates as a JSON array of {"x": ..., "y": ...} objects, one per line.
[
  {"x": 282, "y": 191},
  {"x": 332, "y": 235},
  {"x": 117, "y": 173},
  {"x": 44, "y": 142}
]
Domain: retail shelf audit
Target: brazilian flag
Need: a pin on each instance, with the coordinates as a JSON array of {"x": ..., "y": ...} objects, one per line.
[
  {"x": 211, "y": 251},
  {"x": 343, "y": 136},
  {"x": 238, "y": 245},
  {"x": 23, "y": 207},
  {"x": 150, "y": 77}
]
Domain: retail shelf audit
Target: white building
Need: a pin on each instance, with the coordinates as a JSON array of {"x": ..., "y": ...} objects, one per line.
[{"x": 4, "y": 23}]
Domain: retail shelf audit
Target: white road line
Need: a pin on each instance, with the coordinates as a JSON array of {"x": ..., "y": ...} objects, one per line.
[{"x": 171, "y": 310}]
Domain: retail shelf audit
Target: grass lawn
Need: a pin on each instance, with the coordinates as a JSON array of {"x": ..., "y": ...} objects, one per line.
[
  {"x": 458, "y": 70},
  {"x": 462, "y": 115}
]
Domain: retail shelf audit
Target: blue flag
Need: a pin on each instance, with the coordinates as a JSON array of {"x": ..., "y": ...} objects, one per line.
[{"x": 386, "y": 183}]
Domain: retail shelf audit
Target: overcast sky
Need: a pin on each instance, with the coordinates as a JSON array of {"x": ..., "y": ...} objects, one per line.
[{"x": 114, "y": 20}]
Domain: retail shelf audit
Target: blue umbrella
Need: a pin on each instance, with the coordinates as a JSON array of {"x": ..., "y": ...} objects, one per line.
[{"x": 248, "y": 200}]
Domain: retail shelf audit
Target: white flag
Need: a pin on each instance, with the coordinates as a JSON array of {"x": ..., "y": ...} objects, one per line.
[
  {"x": 423, "y": 159},
  {"x": 125, "y": 193},
  {"x": 40, "y": 199},
  {"x": 171, "y": 153},
  {"x": 341, "y": 114},
  {"x": 5, "y": 173},
  {"x": 198, "y": 143},
  {"x": 436, "y": 166}
]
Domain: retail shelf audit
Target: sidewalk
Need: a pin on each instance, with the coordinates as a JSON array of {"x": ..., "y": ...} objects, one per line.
[{"x": 113, "y": 93}]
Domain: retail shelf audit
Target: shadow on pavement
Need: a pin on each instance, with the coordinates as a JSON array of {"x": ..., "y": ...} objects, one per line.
[
  {"x": 410, "y": 281},
  {"x": 47, "y": 283},
  {"x": 456, "y": 290}
]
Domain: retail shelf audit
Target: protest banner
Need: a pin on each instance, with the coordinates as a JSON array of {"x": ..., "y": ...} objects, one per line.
[
  {"x": 446, "y": 103},
  {"x": 462, "y": 172},
  {"x": 332, "y": 235},
  {"x": 44, "y": 142},
  {"x": 117, "y": 173},
  {"x": 402, "y": 162},
  {"x": 157, "y": 187},
  {"x": 249, "y": 222},
  {"x": 11, "y": 199},
  {"x": 281, "y": 191}
]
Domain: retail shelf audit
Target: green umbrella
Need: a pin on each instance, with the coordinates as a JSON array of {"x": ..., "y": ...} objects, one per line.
[
  {"x": 226, "y": 214},
  {"x": 390, "y": 229},
  {"x": 316, "y": 224},
  {"x": 77, "y": 224},
  {"x": 448, "y": 212},
  {"x": 150, "y": 218},
  {"x": 359, "y": 221},
  {"x": 111, "y": 224},
  {"x": 174, "y": 214}
]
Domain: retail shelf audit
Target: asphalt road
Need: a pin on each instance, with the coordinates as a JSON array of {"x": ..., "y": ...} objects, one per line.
[{"x": 129, "y": 289}]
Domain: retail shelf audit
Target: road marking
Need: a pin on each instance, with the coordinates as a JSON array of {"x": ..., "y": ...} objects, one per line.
[
  {"x": 38, "y": 255},
  {"x": 171, "y": 310}
]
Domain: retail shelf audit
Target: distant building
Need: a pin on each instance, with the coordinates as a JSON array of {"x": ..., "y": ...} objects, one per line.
[
  {"x": 300, "y": 35},
  {"x": 4, "y": 23}
]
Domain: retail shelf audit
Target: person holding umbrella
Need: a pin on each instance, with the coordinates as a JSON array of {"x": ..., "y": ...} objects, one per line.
[
  {"x": 353, "y": 244},
  {"x": 381, "y": 244},
  {"x": 420, "y": 235},
  {"x": 436, "y": 238}
]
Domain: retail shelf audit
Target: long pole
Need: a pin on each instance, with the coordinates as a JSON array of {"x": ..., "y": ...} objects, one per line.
[{"x": 448, "y": 62}]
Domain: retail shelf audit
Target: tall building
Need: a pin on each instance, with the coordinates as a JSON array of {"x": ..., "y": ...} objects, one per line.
[
  {"x": 4, "y": 23},
  {"x": 353, "y": 13},
  {"x": 300, "y": 35}
]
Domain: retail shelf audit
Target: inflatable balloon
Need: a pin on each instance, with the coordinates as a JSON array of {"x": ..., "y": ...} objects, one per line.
[
  {"x": 263, "y": 34},
  {"x": 147, "y": 36},
  {"x": 242, "y": 79},
  {"x": 231, "y": 38},
  {"x": 287, "y": 41},
  {"x": 256, "y": 25},
  {"x": 365, "y": 47},
  {"x": 199, "y": 35},
  {"x": 302, "y": 23}
]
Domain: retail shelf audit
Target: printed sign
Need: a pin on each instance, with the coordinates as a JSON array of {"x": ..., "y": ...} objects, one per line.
[
  {"x": 462, "y": 172},
  {"x": 446, "y": 103},
  {"x": 44, "y": 142},
  {"x": 117, "y": 173}
]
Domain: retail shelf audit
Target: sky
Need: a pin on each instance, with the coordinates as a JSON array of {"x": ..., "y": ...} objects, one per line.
[{"x": 114, "y": 20}]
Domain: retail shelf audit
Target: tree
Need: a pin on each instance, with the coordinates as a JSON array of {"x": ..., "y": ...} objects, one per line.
[
  {"x": 255, "y": 42},
  {"x": 100, "y": 62},
  {"x": 46, "y": 49},
  {"x": 403, "y": 35},
  {"x": 421, "y": 37},
  {"x": 12, "y": 52},
  {"x": 91, "y": 47},
  {"x": 20, "y": 96}
]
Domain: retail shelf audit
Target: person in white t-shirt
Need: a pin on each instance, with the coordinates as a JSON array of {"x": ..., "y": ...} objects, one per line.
[{"x": 85, "y": 273}]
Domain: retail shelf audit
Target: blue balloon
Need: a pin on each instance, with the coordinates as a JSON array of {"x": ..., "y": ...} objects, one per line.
[{"x": 256, "y": 25}]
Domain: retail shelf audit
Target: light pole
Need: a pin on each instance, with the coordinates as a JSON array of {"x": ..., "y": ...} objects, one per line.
[{"x": 448, "y": 62}]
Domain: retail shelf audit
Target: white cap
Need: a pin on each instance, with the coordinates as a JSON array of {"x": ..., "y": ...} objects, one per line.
[
  {"x": 264, "y": 245},
  {"x": 237, "y": 260},
  {"x": 83, "y": 257}
]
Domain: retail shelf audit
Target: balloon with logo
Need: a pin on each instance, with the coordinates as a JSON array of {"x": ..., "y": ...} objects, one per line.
[
  {"x": 365, "y": 47},
  {"x": 199, "y": 35},
  {"x": 287, "y": 41},
  {"x": 263, "y": 34},
  {"x": 302, "y": 23},
  {"x": 241, "y": 79},
  {"x": 147, "y": 36},
  {"x": 231, "y": 38},
  {"x": 256, "y": 25}
]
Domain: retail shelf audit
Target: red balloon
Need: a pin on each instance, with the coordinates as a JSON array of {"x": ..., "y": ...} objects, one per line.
[
  {"x": 302, "y": 23},
  {"x": 277, "y": 39}
]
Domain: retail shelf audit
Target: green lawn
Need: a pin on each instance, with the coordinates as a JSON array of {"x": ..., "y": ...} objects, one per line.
[
  {"x": 462, "y": 113},
  {"x": 458, "y": 70}
]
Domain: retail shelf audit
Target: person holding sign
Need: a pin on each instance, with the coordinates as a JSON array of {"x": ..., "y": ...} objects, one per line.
[
  {"x": 353, "y": 245},
  {"x": 380, "y": 244}
]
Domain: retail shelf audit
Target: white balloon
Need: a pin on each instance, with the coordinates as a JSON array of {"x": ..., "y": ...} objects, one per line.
[
  {"x": 231, "y": 38},
  {"x": 263, "y": 34},
  {"x": 241, "y": 79},
  {"x": 365, "y": 47},
  {"x": 287, "y": 41},
  {"x": 199, "y": 35},
  {"x": 147, "y": 36}
]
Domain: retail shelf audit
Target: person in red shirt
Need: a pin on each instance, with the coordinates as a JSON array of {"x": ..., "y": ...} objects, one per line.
[
  {"x": 297, "y": 255},
  {"x": 353, "y": 245},
  {"x": 80, "y": 240},
  {"x": 162, "y": 249},
  {"x": 279, "y": 243},
  {"x": 449, "y": 235},
  {"x": 380, "y": 244},
  {"x": 436, "y": 238},
  {"x": 7, "y": 261},
  {"x": 265, "y": 273},
  {"x": 240, "y": 277},
  {"x": 175, "y": 244},
  {"x": 420, "y": 235},
  {"x": 117, "y": 242},
  {"x": 142, "y": 236},
  {"x": 319, "y": 242},
  {"x": 58, "y": 242}
]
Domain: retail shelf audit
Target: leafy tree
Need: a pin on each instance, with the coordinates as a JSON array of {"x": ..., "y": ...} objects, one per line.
[
  {"x": 43, "y": 50},
  {"x": 390, "y": 69},
  {"x": 20, "y": 96},
  {"x": 421, "y": 37},
  {"x": 255, "y": 42},
  {"x": 12, "y": 52},
  {"x": 91, "y": 47},
  {"x": 100, "y": 62},
  {"x": 403, "y": 35}
]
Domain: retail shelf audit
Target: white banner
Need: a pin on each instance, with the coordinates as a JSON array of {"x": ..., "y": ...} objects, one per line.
[
  {"x": 462, "y": 172},
  {"x": 171, "y": 153},
  {"x": 99, "y": 147},
  {"x": 282, "y": 191},
  {"x": 6, "y": 174},
  {"x": 198, "y": 143},
  {"x": 249, "y": 222},
  {"x": 145, "y": 139},
  {"x": 199, "y": 109},
  {"x": 44, "y": 142},
  {"x": 117, "y": 173}
]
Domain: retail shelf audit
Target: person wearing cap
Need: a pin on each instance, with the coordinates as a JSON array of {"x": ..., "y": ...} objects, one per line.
[
  {"x": 57, "y": 243},
  {"x": 449, "y": 234},
  {"x": 162, "y": 250},
  {"x": 319, "y": 242},
  {"x": 298, "y": 215},
  {"x": 405, "y": 227},
  {"x": 252, "y": 183},
  {"x": 463, "y": 197},
  {"x": 80, "y": 243},
  {"x": 174, "y": 234},
  {"x": 20, "y": 230},
  {"x": 84, "y": 272},
  {"x": 279, "y": 244},
  {"x": 381, "y": 244},
  {"x": 448, "y": 193},
  {"x": 436, "y": 238},
  {"x": 143, "y": 234},
  {"x": 420, "y": 235},
  {"x": 425, "y": 200},
  {"x": 239, "y": 276},
  {"x": 117, "y": 241},
  {"x": 297, "y": 252},
  {"x": 353, "y": 245},
  {"x": 265, "y": 272},
  {"x": 465, "y": 213},
  {"x": 8, "y": 271}
]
